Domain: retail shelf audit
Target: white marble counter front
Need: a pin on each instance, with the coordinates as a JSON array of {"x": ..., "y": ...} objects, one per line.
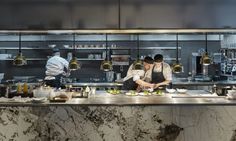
[
  {"x": 134, "y": 118},
  {"x": 118, "y": 123}
]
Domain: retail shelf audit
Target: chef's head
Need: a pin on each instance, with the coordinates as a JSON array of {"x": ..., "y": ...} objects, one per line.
[
  {"x": 147, "y": 62},
  {"x": 56, "y": 52},
  {"x": 158, "y": 58}
]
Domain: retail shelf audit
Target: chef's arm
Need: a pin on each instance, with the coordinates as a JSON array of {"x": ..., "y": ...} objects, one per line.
[
  {"x": 166, "y": 82},
  {"x": 144, "y": 84}
]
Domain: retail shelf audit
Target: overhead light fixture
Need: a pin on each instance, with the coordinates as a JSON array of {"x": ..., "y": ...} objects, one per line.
[
  {"x": 106, "y": 64},
  {"x": 205, "y": 59},
  {"x": 19, "y": 60},
  {"x": 138, "y": 64},
  {"x": 177, "y": 67},
  {"x": 74, "y": 65}
]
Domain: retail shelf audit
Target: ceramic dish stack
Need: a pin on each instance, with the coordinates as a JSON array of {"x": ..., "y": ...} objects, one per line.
[
  {"x": 231, "y": 94},
  {"x": 182, "y": 90}
]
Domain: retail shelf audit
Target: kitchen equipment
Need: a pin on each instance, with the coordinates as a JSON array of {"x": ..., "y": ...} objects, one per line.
[
  {"x": 90, "y": 56},
  {"x": 5, "y": 56},
  {"x": 106, "y": 64},
  {"x": 181, "y": 90},
  {"x": 43, "y": 92},
  {"x": 222, "y": 90},
  {"x": 69, "y": 56},
  {"x": 120, "y": 60},
  {"x": 52, "y": 45},
  {"x": 110, "y": 76},
  {"x": 1, "y": 77},
  {"x": 23, "y": 78},
  {"x": 4, "y": 91},
  {"x": 170, "y": 90},
  {"x": 177, "y": 67},
  {"x": 118, "y": 76},
  {"x": 73, "y": 64}
]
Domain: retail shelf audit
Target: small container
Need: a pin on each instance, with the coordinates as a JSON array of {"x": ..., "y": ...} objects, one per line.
[
  {"x": 19, "y": 88},
  {"x": 25, "y": 88}
]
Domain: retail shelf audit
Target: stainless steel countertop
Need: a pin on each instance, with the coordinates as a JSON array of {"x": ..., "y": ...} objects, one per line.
[
  {"x": 189, "y": 83},
  {"x": 103, "y": 99},
  {"x": 102, "y": 84},
  {"x": 175, "y": 83},
  {"x": 200, "y": 83}
]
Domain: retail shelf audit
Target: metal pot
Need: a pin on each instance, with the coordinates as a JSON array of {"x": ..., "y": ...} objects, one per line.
[{"x": 222, "y": 91}]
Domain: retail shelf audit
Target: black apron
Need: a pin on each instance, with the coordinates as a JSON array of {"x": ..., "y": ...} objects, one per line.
[
  {"x": 130, "y": 84},
  {"x": 158, "y": 77},
  {"x": 54, "y": 82}
]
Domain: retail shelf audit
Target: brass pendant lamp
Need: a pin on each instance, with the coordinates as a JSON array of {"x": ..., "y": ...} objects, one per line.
[
  {"x": 19, "y": 60},
  {"x": 138, "y": 64},
  {"x": 205, "y": 59},
  {"x": 74, "y": 65},
  {"x": 177, "y": 67},
  {"x": 106, "y": 64}
]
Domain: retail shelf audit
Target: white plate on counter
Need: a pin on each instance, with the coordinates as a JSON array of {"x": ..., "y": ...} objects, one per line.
[{"x": 131, "y": 94}]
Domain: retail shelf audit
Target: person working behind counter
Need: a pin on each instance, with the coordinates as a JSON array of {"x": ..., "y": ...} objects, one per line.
[
  {"x": 134, "y": 78},
  {"x": 56, "y": 67},
  {"x": 161, "y": 74}
]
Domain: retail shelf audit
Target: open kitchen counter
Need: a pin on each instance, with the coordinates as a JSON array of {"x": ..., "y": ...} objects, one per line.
[
  {"x": 102, "y": 98},
  {"x": 105, "y": 117}
]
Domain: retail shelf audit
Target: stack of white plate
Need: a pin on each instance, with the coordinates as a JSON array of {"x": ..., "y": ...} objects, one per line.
[{"x": 231, "y": 94}]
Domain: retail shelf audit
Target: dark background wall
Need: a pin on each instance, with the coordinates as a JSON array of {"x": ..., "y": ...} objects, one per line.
[
  {"x": 91, "y": 69},
  {"x": 74, "y": 14}
]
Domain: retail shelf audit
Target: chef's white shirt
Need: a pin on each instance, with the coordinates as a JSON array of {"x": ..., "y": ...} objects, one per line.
[
  {"x": 136, "y": 74},
  {"x": 55, "y": 66}
]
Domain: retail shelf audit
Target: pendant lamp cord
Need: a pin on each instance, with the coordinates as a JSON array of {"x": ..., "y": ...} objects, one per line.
[
  {"x": 206, "y": 42},
  {"x": 106, "y": 49},
  {"x": 74, "y": 44},
  {"x": 20, "y": 42},
  {"x": 177, "y": 48},
  {"x": 138, "y": 46},
  {"x": 119, "y": 16}
]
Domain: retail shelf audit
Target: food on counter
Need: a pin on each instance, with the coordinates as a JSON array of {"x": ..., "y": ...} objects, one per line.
[
  {"x": 158, "y": 92},
  {"x": 145, "y": 92},
  {"x": 182, "y": 90},
  {"x": 170, "y": 90},
  {"x": 61, "y": 97},
  {"x": 114, "y": 92},
  {"x": 131, "y": 93}
]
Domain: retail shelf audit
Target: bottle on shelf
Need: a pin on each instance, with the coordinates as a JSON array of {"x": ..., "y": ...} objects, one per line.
[
  {"x": 25, "y": 88},
  {"x": 19, "y": 88}
]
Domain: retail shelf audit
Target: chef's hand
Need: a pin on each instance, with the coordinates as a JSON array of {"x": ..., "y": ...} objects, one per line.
[
  {"x": 157, "y": 85},
  {"x": 139, "y": 89},
  {"x": 152, "y": 86}
]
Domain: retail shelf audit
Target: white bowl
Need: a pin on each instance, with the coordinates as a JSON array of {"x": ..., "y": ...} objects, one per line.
[
  {"x": 232, "y": 92},
  {"x": 231, "y": 95},
  {"x": 181, "y": 90},
  {"x": 170, "y": 90},
  {"x": 42, "y": 92}
]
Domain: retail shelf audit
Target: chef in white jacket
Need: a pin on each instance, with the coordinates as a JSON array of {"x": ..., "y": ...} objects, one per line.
[{"x": 56, "y": 68}]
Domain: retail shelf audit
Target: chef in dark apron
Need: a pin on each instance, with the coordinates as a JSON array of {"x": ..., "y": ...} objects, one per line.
[
  {"x": 56, "y": 68},
  {"x": 163, "y": 77},
  {"x": 133, "y": 78}
]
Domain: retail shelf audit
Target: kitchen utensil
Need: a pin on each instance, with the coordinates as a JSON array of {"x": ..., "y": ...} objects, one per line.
[
  {"x": 181, "y": 90},
  {"x": 222, "y": 91},
  {"x": 110, "y": 76},
  {"x": 43, "y": 92},
  {"x": 170, "y": 90},
  {"x": 118, "y": 76},
  {"x": 52, "y": 46}
]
